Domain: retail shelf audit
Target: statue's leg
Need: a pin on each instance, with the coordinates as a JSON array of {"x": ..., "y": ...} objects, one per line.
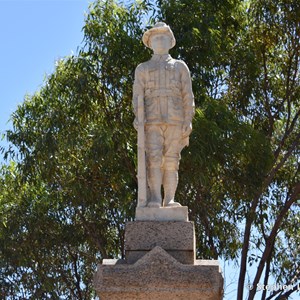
[
  {"x": 155, "y": 182},
  {"x": 172, "y": 149},
  {"x": 154, "y": 148},
  {"x": 170, "y": 183}
]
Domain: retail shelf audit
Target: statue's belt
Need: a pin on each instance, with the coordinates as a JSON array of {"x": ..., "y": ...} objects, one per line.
[{"x": 151, "y": 93}]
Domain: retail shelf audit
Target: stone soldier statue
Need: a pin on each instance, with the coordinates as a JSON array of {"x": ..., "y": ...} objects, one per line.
[{"x": 165, "y": 86}]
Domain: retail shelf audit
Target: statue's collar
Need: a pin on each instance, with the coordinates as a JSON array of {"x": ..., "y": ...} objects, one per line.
[{"x": 165, "y": 57}]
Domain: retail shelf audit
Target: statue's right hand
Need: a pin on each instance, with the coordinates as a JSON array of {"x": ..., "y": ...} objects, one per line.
[{"x": 135, "y": 124}]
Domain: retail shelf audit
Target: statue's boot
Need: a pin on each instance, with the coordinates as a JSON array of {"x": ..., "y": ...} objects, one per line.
[
  {"x": 170, "y": 186},
  {"x": 155, "y": 182}
]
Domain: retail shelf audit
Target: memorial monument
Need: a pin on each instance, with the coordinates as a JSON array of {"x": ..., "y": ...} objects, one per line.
[{"x": 160, "y": 244}]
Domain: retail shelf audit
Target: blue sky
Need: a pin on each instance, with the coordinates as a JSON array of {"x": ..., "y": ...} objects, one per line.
[{"x": 33, "y": 35}]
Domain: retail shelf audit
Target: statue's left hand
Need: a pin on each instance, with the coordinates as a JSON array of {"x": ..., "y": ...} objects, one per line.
[{"x": 186, "y": 129}]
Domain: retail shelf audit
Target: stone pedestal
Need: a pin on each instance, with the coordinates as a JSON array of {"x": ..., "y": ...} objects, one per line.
[
  {"x": 176, "y": 238},
  {"x": 159, "y": 264},
  {"x": 158, "y": 276}
]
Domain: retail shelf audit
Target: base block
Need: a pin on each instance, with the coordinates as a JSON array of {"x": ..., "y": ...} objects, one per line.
[
  {"x": 177, "y": 238},
  {"x": 179, "y": 213},
  {"x": 158, "y": 276}
]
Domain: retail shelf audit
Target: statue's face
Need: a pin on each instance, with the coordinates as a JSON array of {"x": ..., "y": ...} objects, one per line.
[{"x": 160, "y": 43}]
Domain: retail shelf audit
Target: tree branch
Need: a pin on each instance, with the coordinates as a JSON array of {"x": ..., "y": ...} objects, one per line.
[
  {"x": 267, "y": 273},
  {"x": 245, "y": 248},
  {"x": 274, "y": 170},
  {"x": 270, "y": 241},
  {"x": 286, "y": 134},
  {"x": 76, "y": 274}
]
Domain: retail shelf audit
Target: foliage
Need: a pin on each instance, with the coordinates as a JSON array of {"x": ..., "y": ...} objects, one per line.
[{"x": 74, "y": 161}]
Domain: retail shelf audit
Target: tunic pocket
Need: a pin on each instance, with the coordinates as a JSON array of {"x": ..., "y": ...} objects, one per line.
[
  {"x": 176, "y": 109},
  {"x": 151, "y": 108}
]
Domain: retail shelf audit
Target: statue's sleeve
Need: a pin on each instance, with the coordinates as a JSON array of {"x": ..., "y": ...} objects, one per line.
[
  {"x": 187, "y": 93},
  {"x": 138, "y": 86}
]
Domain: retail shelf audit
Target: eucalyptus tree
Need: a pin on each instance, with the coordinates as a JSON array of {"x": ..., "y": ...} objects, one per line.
[{"x": 74, "y": 156}]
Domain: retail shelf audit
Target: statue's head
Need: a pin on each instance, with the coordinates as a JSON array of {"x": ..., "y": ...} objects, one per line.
[{"x": 158, "y": 37}]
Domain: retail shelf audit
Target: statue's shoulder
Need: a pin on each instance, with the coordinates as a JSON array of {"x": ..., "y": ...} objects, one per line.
[
  {"x": 143, "y": 66},
  {"x": 180, "y": 64}
]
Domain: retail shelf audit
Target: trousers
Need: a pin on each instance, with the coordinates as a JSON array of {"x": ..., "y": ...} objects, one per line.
[{"x": 163, "y": 146}]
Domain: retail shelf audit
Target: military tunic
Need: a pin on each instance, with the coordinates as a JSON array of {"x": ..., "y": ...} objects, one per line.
[{"x": 166, "y": 87}]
